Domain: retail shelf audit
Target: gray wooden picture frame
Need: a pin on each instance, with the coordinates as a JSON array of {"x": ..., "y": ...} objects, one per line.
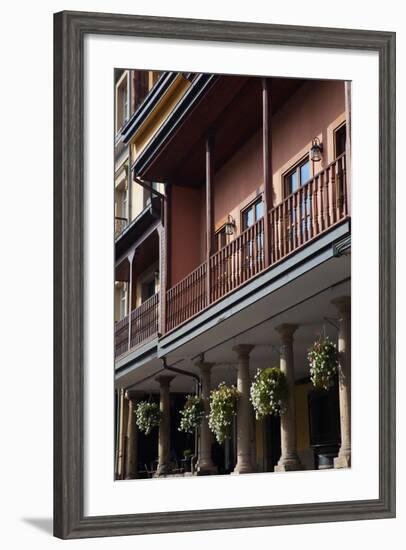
[{"x": 69, "y": 31}]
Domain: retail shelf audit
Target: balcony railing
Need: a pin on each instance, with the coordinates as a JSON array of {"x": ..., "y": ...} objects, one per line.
[
  {"x": 119, "y": 225},
  {"x": 138, "y": 327},
  {"x": 187, "y": 297},
  {"x": 301, "y": 217},
  {"x": 237, "y": 262},
  {"x": 310, "y": 210}
]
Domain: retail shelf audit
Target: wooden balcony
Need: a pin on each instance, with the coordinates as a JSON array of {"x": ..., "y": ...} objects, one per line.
[
  {"x": 300, "y": 218},
  {"x": 137, "y": 327}
]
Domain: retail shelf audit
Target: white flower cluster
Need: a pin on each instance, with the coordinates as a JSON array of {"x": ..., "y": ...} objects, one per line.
[
  {"x": 148, "y": 416},
  {"x": 268, "y": 392},
  {"x": 223, "y": 407},
  {"x": 192, "y": 414},
  {"x": 323, "y": 360}
]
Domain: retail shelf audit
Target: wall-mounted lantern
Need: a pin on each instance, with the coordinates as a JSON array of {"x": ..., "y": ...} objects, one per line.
[
  {"x": 316, "y": 150},
  {"x": 229, "y": 225}
]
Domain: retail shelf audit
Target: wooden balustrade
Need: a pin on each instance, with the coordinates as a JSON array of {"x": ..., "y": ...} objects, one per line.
[
  {"x": 187, "y": 297},
  {"x": 121, "y": 336},
  {"x": 237, "y": 262},
  {"x": 144, "y": 321},
  {"x": 316, "y": 206},
  {"x": 144, "y": 325}
]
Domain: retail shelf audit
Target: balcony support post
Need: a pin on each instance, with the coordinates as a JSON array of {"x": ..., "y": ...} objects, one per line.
[
  {"x": 347, "y": 87},
  {"x": 130, "y": 293},
  {"x": 267, "y": 163},
  {"x": 209, "y": 209}
]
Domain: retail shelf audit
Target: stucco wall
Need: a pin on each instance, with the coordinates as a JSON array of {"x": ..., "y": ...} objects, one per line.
[{"x": 186, "y": 231}]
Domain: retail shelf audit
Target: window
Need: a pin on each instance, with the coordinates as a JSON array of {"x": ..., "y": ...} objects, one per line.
[
  {"x": 148, "y": 287},
  {"x": 122, "y": 105},
  {"x": 221, "y": 238},
  {"x": 254, "y": 247},
  {"x": 252, "y": 213},
  {"x": 340, "y": 137},
  {"x": 297, "y": 177},
  {"x": 123, "y": 300},
  {"x": 297, "y": 222}
]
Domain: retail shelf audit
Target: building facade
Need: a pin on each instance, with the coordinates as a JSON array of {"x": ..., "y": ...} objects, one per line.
[{"x": 233, "y": 252}]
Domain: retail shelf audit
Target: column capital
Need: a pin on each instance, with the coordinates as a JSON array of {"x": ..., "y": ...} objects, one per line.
[
  {"x": 204, "y": 366},
  {"x": 286, "y": 331},
  {"x": 243, "y": 350},
  {"x": 164, "y": 379},
  {"x": 132, "y": 395},
  {"x": 342, "y": 303}
]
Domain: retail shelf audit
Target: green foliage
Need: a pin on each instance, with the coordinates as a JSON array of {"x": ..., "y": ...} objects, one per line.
[
  {"x": 323, "y": 360},
  {"x": 191, "y": 414},
  {"x": 148, "y": 416},
  {"x": 223, "y": 406},
  {"x": 269, "y": 392}
]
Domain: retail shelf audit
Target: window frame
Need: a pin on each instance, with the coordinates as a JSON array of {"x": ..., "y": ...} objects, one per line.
[
  {"x": 296, "y": 168},
  {"x": 259, "y": 198}
]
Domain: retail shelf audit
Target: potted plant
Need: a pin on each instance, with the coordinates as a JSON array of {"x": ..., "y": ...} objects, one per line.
[
  {"x": 187, "y": 459},
  {"x": 148, "y": 416},
  {"x": 323, "y": 360},
  {"x": 191, "y": 414},
  {"x": 223, "y": 407},
  {"x": 269, "y": 392}
]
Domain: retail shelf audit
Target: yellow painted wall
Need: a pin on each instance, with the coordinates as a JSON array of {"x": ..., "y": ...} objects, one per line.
[{"x": 159, "y": 114}]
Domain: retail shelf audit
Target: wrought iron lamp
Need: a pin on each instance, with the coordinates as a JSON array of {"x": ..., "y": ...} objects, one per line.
[
  {"x": 229, "y": 225},
  {"x": 316, "y": 150}
]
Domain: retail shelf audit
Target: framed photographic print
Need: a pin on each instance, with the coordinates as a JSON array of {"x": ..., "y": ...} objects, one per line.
[{"x": 224, "y": 275}]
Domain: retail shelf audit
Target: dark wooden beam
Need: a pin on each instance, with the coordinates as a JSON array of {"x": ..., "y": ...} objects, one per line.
[
  {"x": 267, "y": 162},
  {"x": 347, "y": 91},
  {"x": 209, "y": 206}
]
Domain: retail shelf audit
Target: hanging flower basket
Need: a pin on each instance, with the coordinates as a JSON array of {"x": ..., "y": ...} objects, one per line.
[
  {"x": 148, "y": 416},
  {"x": 269, "y": 392},
  {"x": 192, "y": 414},
  {"x": 223, "y": 407},
  {"x": 323, "y": 360}
]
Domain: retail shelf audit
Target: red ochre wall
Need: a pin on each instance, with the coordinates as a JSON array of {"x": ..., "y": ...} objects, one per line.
[{"x": 186, "y": 231}]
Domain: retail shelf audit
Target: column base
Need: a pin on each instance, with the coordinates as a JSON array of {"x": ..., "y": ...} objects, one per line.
[
  {"x": 163, "y": 470},
  {"x": 289, "y": 465},
  {"x": 207, "y": 470},
  {"x": 343, "y": 461},
  {"x": 131, "y": 476},
  {"x": 243, "y": 469}
]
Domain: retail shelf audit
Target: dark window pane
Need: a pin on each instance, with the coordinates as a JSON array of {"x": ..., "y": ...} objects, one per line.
[{"x": 340, "y": 138}]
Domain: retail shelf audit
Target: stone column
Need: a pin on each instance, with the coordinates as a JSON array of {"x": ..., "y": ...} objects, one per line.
[
  {"x": 289, "y": 459},
  {"x": 131, "y": 459},
  {"x": 244, "y": 413},
  {"x": 165, "y": 424},
  {"x": 343, "y": 305},
  {"x": 205, "y": 463}
]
